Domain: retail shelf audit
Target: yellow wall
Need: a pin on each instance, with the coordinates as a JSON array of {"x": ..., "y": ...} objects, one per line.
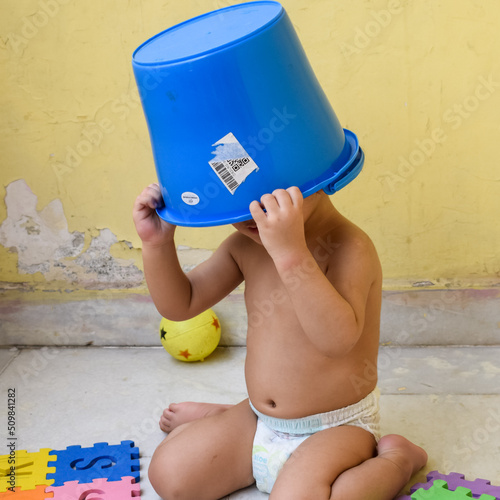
[{"x": 418, "y": 81}]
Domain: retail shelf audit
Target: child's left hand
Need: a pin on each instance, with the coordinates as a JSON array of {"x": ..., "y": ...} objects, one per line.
[{"x": 280, "y": 220}]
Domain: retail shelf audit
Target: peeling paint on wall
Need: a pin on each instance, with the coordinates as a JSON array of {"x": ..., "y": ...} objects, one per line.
[{"x": 44, "y": 244}]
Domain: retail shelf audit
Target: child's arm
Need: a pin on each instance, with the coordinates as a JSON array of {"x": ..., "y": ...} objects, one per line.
[
  {"x": 178, "y": 296},
  {"x": 331, "y": 307}
]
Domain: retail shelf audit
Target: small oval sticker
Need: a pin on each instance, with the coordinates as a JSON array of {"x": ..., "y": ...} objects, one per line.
[{"x": 190, "y": 198}]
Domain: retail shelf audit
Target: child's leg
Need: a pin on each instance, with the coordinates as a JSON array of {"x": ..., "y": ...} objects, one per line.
[
  {"x": 208, "y": 458},
  {"x": 341, "y": 463},
  {"x": 384, "y": 476}
]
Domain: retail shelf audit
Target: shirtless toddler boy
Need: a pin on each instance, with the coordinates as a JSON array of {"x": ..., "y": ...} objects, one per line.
[{"x": 309, "y": 429}]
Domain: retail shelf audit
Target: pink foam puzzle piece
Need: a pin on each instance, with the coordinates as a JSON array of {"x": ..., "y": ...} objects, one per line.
[{"x": 98, "y": 489}]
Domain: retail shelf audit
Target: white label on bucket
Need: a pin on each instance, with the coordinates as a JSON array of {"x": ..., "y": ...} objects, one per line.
[
  {"x": 231, "y": 163},
  {"x": 190, "y": 198}
]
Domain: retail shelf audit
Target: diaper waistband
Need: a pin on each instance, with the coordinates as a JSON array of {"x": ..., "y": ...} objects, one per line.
[{"x": 321, "y": 421}]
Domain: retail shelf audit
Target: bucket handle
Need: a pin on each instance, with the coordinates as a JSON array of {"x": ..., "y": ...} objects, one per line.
[{"x": 349, "y": 174}]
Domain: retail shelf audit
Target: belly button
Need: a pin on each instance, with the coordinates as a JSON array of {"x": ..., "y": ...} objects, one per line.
[{"x": 272, "y": 404}]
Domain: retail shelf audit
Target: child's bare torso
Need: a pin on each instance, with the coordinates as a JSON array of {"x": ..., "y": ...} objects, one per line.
[
  {"x": 313, "y": 294},
  {"x": 286, "y": 375}
]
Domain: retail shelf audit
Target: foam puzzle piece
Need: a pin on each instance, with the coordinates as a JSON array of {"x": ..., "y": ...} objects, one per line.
[
  {"x": 439, "y": 491},
  {"x": 454, "y": 480},
  {"x": 18, "y": 494},
  {"x": 103, "y": 489},
  {"x": 102, "y": 460},
  {"x": 31, "y": 469},
  {"x": 418, "y": 486},
  {"x": 477, "y": 487}
]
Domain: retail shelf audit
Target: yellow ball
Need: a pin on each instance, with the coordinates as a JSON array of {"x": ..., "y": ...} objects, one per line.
[{"x": 193, "y": 339}]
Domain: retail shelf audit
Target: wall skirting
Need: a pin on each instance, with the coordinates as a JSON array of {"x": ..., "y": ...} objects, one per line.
[{"x": 419, "y": 316}]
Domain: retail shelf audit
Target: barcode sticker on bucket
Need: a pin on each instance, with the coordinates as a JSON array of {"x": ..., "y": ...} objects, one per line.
[{"x": 231, "y": 163}]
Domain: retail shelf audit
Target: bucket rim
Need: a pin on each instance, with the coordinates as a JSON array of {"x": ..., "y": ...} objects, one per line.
[
  {"x": 175, "y": 60},
  {"x": 333, "y": 180}
]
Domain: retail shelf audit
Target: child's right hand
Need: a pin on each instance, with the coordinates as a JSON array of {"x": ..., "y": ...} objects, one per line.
[{"x": 151, "y": 228}]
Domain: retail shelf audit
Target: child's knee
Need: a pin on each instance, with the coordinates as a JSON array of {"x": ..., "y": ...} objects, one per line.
[
  {"x": 166, "y": 477},
  {"x": 405, "y": 456},
  {"x": 157, "y": 476}
]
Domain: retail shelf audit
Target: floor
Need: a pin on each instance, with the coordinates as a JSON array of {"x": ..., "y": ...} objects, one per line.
[{"x": 446, "y": 399}]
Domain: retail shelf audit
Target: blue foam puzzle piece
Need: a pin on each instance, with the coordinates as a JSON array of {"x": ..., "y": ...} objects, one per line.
[{"x": 99, "y": 461}]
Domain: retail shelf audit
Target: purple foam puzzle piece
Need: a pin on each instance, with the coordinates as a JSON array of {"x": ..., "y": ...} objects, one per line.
[
  {"x": 416, "y": 487},
  {"x": 454, "y": 480},
  {"x": 477, "y": 487}
]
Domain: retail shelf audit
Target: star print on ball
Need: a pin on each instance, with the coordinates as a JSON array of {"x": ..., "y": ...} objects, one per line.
[{"x": 193, "y": 339}]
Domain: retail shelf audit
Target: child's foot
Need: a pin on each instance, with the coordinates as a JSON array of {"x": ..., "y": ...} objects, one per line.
[
  {"x": 181, "y": 413},
  {"x": 408, "y": 457}
]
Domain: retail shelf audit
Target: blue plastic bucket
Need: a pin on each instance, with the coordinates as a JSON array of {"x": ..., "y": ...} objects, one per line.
[{"x": 235, "y": 111}]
